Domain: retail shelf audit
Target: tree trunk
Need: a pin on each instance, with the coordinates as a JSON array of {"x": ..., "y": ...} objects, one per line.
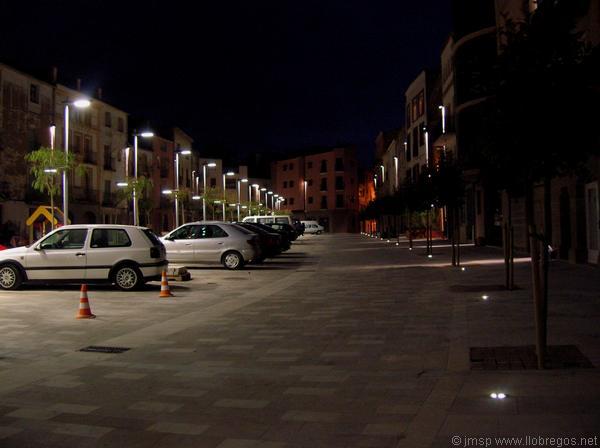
[
  {"x": 410, "y": 238},
  {"x": 52, "y": 206},
  {"x": 534, "y": 249},
  {"x": 457, "y": 225},
  {"x": 451, "y": 232},
  {"x": 511, "y": 248}
]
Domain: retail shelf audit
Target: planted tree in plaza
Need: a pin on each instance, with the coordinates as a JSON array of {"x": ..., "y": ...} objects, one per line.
[
  {"x": 46, "y": 166},
  {"x": 143, "y": 187},
  {"x": 544, "y": 123}
]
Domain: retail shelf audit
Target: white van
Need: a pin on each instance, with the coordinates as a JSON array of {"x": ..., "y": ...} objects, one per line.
[
  {"x": 312, "y": 227},
  {"x": 270, "y": 219}
]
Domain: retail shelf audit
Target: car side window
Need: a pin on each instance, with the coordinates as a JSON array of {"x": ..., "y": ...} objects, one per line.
[
  {"x": 281, "y": 220},
  {"x": 110, "y": 238},
  {"x": 65, "y": 239},
  {"x": 183, "y": 233},
  {"x": 216, "y": 232}
]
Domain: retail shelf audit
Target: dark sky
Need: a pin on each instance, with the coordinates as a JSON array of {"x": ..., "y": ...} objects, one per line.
[{"x": 238, "y": 76}]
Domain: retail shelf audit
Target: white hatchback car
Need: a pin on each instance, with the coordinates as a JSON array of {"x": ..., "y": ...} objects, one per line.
[
  {"x": 127, "y": 256},
  {"x": 212, "y": 242}
]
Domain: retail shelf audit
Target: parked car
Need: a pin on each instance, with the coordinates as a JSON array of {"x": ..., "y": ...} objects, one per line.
[
  {"x": 127, "y": 256},
  {"x": 285, "y": 238},
  {"x": 269, "y": 219},
  {"x": 270, "y": 241},
  {"x": 212, "y": 242},
  {"x": 313, "y": 227},
  {"x": 292, "y": 234}
]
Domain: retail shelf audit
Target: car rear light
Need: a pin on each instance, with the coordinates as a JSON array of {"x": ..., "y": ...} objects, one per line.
[{"x": 154, "y": 252}]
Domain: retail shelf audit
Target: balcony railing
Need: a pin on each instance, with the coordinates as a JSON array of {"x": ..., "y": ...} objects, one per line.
[{"x": 84, "y": 195}]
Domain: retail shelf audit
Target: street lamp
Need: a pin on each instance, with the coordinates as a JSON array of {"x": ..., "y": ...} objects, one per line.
[
  {"x": 239, "y": 186},
  {"x": 80, "y": 104},
  {"x": 382, "y": 174},
  {"x": 145, "y": 134},
  {"x": 228, "y": 173},
  {"x": 426, "y": 146},
  {"x": 204, "y": 165},
  {"x": 183, "y": 152},
  {"x": 269, "y": 193},
  {"x": 305, "y": 185},
  {"x": 266, "y": 204},
  {"x": 250, "y": 187},
  {"x": 396, "y": 169},
  {"x": 443, "y": 109}
]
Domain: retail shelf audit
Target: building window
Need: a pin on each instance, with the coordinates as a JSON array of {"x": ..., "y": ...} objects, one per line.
[
  {"x": 285, "y": 184},
  {"x": 213, "y": 182},
  {"x": 308, "y": 165},
  {"x": 107, "y": 158},
  {"x": 415, "y": 142},
  {"x": 310, "y": 182},
  {"x": 421, "y": 135},
  {"x": 323, "y": 184},
  {"x": 291, "y": 167},
  {"x": 107, "y": 119},
  {"x": 291, "y": 184},
  {"x": 339, "y": 164},
  {"x": 339, "y": 201},
  {"x": 323, "y": 166},
  {"x": 421, "y": 103},
  {"x": 163, "y": 147},
  {"x": 87, "y": 145},
  {"x": 285, "y": 167},
  {"x": 120, "y": 124},
  {"x": 339, "y": 183},
  {"x": 413, "y": 110},
  {"x": 76, "y": 145},
  {"x": 323, "y": 202},
  {"x": 34, "y": 93},
  {"x": 310, "y": 200},
  {"x": 407, "y": 116},
  {"x": 291, "y": 201}
]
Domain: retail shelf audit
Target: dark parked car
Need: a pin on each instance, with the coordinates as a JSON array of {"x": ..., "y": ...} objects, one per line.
[
  {"x": 269, "y": 240},
  {"x": 285, "y": 228},
  {"x": 285, "y": 237}
]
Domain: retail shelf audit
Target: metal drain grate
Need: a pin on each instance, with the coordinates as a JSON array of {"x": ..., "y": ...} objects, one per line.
[
  {"x": 97, "y": 349},
  {"x": 524, "y": 358}
]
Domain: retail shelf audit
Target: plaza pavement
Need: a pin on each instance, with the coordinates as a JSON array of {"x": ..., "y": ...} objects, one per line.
[{"x": 344, "y": 341}]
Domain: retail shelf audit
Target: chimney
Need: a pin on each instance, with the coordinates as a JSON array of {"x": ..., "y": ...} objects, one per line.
[
  {"x": 54, "y": 74},
  {"x": 99, "y": 93},
  {"x": 79, "y": 84}
]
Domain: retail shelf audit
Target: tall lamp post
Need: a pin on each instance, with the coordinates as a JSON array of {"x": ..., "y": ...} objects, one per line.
[
  {"x": 183, "y": 152},
  {"x": 228, "y": 173},
  {"x": 80, "y": 104},
  {"x": 396, "y": 173},
  {"x": 145, "y": 134},
  {"x": 250, "y": 187},
  {"x": 305, "y": 185},
  {"x": 263, "y": 189},
  {"x": 204, "y": 166},
  {"x": 239, "y": 196},
  {"x": 269, "y": 193}
]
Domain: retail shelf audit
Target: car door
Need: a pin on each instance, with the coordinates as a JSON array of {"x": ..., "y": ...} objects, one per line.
[
  {"x": 211, "y": 243},
  {"x": 106, "y": 247},
  {"x": 180, "y": 243},
  {"x": 62, "y": 255}
]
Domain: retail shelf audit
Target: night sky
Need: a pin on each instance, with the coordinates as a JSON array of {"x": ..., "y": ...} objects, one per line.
[{"x": 240, "y": 76}]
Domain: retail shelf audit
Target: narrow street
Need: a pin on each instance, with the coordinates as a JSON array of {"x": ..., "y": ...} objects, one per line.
[{"x": 344, "y": 341}]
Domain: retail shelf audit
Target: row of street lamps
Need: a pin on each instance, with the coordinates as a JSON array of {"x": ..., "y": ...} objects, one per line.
[{"x": 83, "y": 103}]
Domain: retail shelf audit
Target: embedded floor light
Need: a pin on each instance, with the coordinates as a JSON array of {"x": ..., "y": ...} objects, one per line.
[
  {"x": 397, "y": 244},
  {"x": 485, "y": 297},
  {"x": 429, "y": 256},
  {"x": 498, "y": 395},
  {"x": 388, "y": 241},
  {"x": 463, "y": 269}
]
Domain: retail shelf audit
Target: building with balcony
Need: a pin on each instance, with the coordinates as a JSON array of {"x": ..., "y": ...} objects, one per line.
[{"x": 322, "y": 186}]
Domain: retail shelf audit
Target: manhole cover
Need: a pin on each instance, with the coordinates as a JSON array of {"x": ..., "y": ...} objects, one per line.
[
  {"x": 524, "y": 358},
  {"x": 97, "y": 349}
]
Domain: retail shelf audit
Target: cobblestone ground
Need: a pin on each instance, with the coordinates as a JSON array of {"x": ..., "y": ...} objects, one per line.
[{"x": 345, "y": 341}]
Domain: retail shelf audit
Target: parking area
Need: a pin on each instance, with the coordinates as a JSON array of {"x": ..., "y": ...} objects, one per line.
[{"x": 343, "y": 341}]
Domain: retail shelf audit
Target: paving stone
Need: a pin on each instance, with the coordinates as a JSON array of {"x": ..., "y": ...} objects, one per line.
[
  {"x": 81, "y": 430},
  {"x": 239, "y": 403},
  {"x": 72, "y": 408},
  {"x": 178, "y": 428},
  {"x": 155, "y": 406},
  {"x": 33, "y": 413},
  {"x": 308, "y": 416},
  {"x": 124, "y": 376}
]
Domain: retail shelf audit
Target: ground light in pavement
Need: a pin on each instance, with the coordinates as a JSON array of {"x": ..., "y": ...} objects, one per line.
[
  {"x": 429, "y": 256},
  {"x": 485, "y": 297},
  {"x": 498, "y": 395},
  {"x": 463, "y": 269}
]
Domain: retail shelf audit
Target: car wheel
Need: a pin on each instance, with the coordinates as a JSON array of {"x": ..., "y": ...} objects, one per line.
[
  {"x": 318, "y": 232},
  {"x": 128, "y": 277},
  {"x": 10, "y": 277},
  {"x": 233, "y": 260}
]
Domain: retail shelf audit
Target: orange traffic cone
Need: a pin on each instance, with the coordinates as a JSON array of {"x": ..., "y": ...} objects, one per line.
[
  {"x": 84, "y": 306},
  {"x": 164, "y": 286}
]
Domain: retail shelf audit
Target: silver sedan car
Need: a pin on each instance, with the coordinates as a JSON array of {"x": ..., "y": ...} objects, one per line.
[{"x": 206, "y": 242}]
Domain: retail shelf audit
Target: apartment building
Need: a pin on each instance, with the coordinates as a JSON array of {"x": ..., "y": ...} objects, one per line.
[
  {"x": 97, "y": 136},
  {"x": 321, "y": 186}
]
